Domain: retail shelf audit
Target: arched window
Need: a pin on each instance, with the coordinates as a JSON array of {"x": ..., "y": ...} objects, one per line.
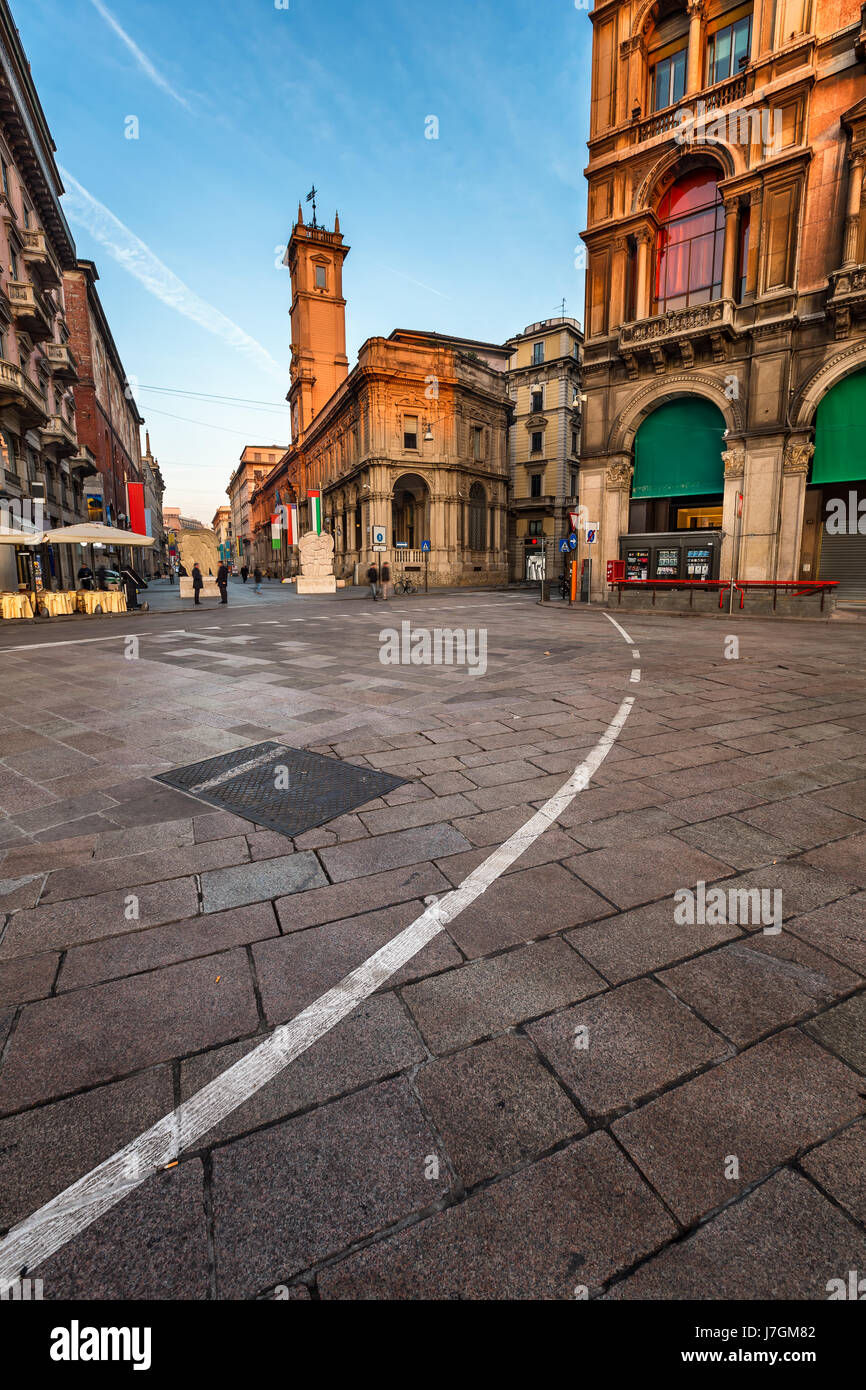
[
  {"x": 690, "y": 243},
  {"x": 477, "y": 518}
]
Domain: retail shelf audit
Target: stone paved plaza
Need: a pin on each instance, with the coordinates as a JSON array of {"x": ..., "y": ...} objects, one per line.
[{"x": 569, "y": 1087}]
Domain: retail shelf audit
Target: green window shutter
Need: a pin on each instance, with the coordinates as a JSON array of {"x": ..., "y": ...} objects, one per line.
[
  {"x": 840, "y": 432},
  {"x": 678, "y": 450}
]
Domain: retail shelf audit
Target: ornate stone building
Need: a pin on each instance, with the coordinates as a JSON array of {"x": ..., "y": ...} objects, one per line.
[
  {"x": 412, "y": 439},
  {"x": 725, "y": 354},
  {"x": 544, "y": 439}
]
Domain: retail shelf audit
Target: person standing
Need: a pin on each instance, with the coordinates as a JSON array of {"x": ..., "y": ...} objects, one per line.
[
  {"x": 257, "y": 576},
  {"x": 386, "y": 581},
  {"x": 85, "y": 577},
  {"x": 197, "y": 582},
  {"x": 373, "y": 581},
  {"x": 245, "y": 573},
  {"x": 223, "y": 582}
]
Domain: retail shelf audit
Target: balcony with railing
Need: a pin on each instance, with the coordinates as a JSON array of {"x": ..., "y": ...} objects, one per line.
[
  {"x": 699, "y": 103},
  {"x": 30, "y": 309},
  {"x": 37, "y": 252},
  {"x": 58, "y": 430},
  {"x": 681, "y": 330},
  {"x": 16, "y": 389},
  {"x": 61, "y": 361}
]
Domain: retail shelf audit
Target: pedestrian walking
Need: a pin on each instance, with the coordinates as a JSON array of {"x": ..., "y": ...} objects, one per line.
[
  {"x": 223, "y": 582},
  {"x": 257, "y": 576},
  {"x": 245, "y": 573},
  {"x": 170, "y": 575},
  {"x": 373, "y": 581},
  {"x": 386, "y": 581},
  {"x": 197, "y": 582}
]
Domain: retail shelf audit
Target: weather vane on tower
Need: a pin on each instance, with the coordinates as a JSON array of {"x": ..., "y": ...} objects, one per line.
[{"x": 311, "y": 198}]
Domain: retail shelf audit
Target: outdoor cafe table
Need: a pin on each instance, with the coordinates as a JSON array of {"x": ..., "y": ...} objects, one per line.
[
  {"x": 109, "y": 600},
  {"x": 56, "y": 603},
  {"x": 16, "y": 606}
]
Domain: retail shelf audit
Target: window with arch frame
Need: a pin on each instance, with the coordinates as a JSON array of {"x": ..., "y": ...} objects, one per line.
[
  {"x": 477, "y": 517},
  {"x": 690, "y": 244}
]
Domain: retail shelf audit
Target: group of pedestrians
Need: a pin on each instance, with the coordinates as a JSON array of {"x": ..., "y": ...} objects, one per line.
[
  {"x": 379, "y": 579},
  {"x": 222, "y": 580}
]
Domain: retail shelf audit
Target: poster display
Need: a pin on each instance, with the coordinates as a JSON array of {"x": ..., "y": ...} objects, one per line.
[
  {"x": 637, "y": 564},
  {"x": 668, "y": 563},
  {"x": 698, "y": 562}
]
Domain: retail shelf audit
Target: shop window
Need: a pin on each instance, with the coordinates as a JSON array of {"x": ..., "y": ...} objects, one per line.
[
  {"x": 668, "y": 79},
  {"x": 690, "y": 242}
]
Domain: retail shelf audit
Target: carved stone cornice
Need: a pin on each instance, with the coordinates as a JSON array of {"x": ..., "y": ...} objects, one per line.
[
  {"x": 797, "y": 458},
  {"x": 735, "y": 462}
]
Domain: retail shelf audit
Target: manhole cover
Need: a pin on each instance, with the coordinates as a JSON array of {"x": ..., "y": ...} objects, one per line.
[{"x": 285, "y": 789}]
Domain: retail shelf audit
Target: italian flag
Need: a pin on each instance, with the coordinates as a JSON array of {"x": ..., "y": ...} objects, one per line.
[
  {"x": 276, "y": 541},
  {"x": 315, "y": 500},
  {"x": 292, "y": 523}
]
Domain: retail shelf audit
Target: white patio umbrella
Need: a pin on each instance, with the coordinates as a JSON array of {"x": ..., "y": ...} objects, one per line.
[{"x": 95, "y": 533}]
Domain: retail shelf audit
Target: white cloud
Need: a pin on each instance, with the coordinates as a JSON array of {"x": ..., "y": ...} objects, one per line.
[
  {"x": 141, "y": 58},
  {"x": 137, "y": 258}
]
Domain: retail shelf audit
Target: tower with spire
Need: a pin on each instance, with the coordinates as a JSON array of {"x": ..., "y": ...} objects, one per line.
[{"x": 315, "y": 258}]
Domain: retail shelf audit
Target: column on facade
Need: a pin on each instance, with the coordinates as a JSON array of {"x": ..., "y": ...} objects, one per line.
[
  {"x": 734, "y": 460},
  {"x": 755, "y": 204},
  {"x": 642, "y": 278},
  {"x": 759, "y": 548},
  {"x": 729, "y": 262},
  {"x": 613, "y": 520},
  {"x": 795, "y": 471},
  {"x": 693, "y": 65},
  {"x": 852, "y": 219},
  {"x": 757, "y": 26},
  {"x": 618, "y": 273}
]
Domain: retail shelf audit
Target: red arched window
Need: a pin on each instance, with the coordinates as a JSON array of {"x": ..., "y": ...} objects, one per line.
[{"x": 690, "y": 242}]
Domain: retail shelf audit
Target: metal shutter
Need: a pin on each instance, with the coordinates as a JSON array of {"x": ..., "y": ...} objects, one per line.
[{"x": 844, "y": 558}]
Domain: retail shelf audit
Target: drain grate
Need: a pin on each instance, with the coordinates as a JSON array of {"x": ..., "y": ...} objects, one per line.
[{"x": 285, "y": 789}]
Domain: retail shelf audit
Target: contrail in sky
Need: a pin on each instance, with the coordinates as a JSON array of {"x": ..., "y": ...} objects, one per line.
[
  {"x": 136, "y": 257},
  {"x": 141, "y": 58}
]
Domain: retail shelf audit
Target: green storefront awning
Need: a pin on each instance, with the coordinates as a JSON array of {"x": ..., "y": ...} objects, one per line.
[
  {"x": 678, "y": 450},
  {"x": 840, "y": 432}
]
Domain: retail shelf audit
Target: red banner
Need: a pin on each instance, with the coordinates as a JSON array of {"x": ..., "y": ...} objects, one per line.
[{"x": 135, "y": 508}]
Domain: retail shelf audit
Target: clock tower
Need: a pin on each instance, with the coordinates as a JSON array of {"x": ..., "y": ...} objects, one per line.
[{"x": 315, "y": 258}]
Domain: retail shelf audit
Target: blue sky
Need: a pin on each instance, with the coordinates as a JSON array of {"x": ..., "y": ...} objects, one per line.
[{"x": 240, "y": 107}]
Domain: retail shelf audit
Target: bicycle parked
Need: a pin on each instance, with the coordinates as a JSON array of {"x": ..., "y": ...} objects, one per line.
[{"x": 404, "y": 585}]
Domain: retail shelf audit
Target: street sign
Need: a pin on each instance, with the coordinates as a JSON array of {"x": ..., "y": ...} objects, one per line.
[
  {"x": 591, "y": 535},
  {"x": 572, "y": 541},
  {"x": 378, "y": 535},
  {"x": 425, "y": 545},
  {"x": 401, "y": 545},
  {"x": 564, "y": 547},
  {"x": 380, "y": 547}
]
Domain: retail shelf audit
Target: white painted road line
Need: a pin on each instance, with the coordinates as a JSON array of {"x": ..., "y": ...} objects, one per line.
[
  {"x": 50, "y": 1228},
  {"x": 636, "y": 654},
  {"x": 620, "y": 630},
  {"x": 635, "y": 675},
  {"x": 234, "y": 772}
]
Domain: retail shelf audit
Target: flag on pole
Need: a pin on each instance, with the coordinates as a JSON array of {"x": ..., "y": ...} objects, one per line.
[
  {"x": 276, "y": 541},
  {"x": 291, "y": 510},
  {"x": 315, "y": 500}
]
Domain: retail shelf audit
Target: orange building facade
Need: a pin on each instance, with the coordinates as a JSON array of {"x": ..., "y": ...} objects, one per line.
[
  {"x": 413, "y": 439},
  {"x": 725, "y": 350}
]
